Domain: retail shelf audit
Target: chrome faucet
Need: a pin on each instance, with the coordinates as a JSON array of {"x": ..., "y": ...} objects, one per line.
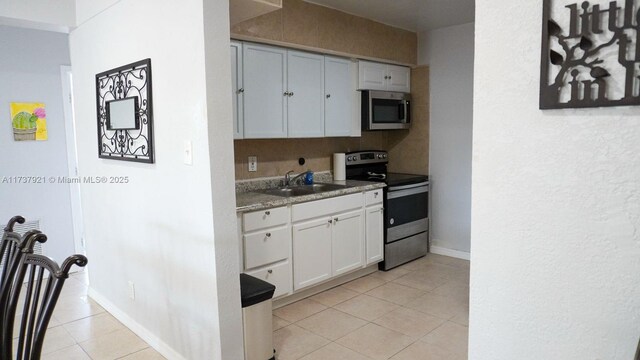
[{"x": 288, "y": 180}]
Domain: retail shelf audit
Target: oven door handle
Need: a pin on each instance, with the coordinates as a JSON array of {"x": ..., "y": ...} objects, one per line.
[
  {"x": 404, "y": 187},
  {"x": 408, "y": 192}
]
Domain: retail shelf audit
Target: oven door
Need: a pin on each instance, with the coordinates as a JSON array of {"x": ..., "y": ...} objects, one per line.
[{"x": 406, "y": 211}]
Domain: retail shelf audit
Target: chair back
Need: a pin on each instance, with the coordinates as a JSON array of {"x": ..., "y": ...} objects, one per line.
[
  {"x": 8, "y": 245},
  {"x": 44, "y": 282},
  {"x": 12, "y": 248}
]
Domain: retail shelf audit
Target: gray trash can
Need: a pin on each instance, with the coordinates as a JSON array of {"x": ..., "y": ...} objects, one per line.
[{"x": 257, "y": 318}]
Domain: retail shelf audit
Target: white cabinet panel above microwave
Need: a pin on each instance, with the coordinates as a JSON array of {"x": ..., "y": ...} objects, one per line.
[{"x": 377, "y": 76}]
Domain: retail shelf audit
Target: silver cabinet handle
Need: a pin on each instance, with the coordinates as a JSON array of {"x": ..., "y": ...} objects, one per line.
[
  {"x": 337, "y": 219},
  {"x": 330, "y": 221},
  {"x": 328, "y": 96},
  {"x": 291, "y": 93},
  {"x": 240, "y": 91},
  {"x": 286, "y": 93},
  {"x": 268, "y": 234},
  {"x": 267, "y": 213},
  {"x": 375, "y": 194},
  {"x": 270, "y": 271}
]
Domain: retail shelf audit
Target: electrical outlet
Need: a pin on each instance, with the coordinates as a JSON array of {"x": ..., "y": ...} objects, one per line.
[
  {"x": 132, "y": 290},
  {"x": 253, "y": 163}
]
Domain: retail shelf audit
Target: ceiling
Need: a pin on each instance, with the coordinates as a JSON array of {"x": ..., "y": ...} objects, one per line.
[{"x": 413, "y": 15}]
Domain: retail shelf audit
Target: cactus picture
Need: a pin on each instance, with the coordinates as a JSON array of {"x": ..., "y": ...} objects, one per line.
[{"x": 28, "y": 121}]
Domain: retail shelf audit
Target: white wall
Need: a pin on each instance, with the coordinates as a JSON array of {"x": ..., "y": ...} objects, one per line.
[
  {"x": 28, "y": 76},
  {"x": 449, "y": 54},
  {"x": 52, "y": 15},
  {"x": 162, "y": 231},
  {"x": 555, "y": 252},
  {"x": 86, "y": 9}
]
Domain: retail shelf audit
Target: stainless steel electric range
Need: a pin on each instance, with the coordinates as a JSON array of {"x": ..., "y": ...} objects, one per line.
[{"x": 406, "y": 206}]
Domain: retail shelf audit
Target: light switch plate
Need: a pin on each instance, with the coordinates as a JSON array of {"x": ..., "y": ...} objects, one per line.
[{"x": 253, "y": 163}]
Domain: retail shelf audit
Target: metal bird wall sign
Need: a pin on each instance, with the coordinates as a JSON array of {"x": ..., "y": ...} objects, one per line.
[{"x": 590, "y": 54}]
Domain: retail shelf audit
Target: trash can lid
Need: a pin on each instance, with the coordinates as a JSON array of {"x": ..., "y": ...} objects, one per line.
[{"x": 254, "y": 290}]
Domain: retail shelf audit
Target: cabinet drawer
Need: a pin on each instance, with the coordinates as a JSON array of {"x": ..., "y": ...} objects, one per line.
[
  {"x": 265, "y": 218},
  {"x": 278, "y": 275},
  {"x": 373, "y": 197},
  {"x": 324, "y": 207},
  {"x": 266, "y": 247}
]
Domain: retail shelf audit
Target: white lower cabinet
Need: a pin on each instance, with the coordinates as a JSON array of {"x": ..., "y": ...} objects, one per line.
[
  {"x": 278, "y": 274},
  {"x": 305, "y": 244},
  {"x": 374, "y": 219},
  {"x": 347, "y": 242},
  {"x": 312, "y": 252}
]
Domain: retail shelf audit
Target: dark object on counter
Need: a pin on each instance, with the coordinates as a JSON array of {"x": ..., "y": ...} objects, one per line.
[
  {"x": 301, "y": 161},
  {"x": 254, "y": 290}
]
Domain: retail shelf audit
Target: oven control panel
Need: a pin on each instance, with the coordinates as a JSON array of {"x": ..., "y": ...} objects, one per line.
[{"x": 366, "y": 157}]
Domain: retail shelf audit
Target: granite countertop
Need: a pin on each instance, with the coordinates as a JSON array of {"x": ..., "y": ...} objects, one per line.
[{"x": 253, "y": 201}]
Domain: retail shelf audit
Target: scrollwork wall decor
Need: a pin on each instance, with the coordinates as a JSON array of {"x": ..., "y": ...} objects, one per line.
[
  {"x": 590, "y": 54},
  {"x": 115, "y": 87}
]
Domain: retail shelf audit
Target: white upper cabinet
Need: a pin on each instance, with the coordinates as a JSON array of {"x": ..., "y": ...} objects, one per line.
[
  {"x": 265, "y": 92},
  {"x": 305, "y": 99},
  {"x": 377, "y": 76},
  {"x": 338, "y": 99},
  {"x": 399, "y": 78},
  {"x": 237, "y": 89},
  {"x": 280, "y": 93},
  {"x": 372, "y": 76}
]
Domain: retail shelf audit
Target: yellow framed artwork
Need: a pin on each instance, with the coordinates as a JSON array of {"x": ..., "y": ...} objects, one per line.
[{"x": 29, "y": 121}]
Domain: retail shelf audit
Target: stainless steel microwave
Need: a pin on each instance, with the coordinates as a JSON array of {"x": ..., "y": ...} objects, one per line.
[{"x": 385, "y": 110}]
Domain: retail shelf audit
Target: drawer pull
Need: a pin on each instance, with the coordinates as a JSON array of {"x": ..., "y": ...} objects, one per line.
[
  {"x": 268, "y": 234},
  {"x": 375, "y": 194},
  {"x": 270, "y": 271},
  {"x": 267, "y": 213},
  {"x": 337, "y": 219},
  {"x": 330, "y": 221}
]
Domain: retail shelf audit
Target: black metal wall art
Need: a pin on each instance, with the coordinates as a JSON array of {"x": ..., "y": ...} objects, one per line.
[
  {"x": 125, "y": 113},
  {"x": 590, "y": 54}
]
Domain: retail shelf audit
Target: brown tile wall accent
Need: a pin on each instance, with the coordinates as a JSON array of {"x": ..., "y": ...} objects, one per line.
[
  {"x": 277, "y": 156},
  {"x": 408, "y": 149},
  {"x": 308, "y": 24}
]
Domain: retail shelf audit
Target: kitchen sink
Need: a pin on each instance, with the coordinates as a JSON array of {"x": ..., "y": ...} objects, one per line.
[{"x": 302, "y": 189}]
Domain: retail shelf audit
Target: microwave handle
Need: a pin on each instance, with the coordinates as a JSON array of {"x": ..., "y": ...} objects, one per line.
[{"x": 404, "y": 111}]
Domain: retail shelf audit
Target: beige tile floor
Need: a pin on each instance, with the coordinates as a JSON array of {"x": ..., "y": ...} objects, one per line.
[
  {"x": 80, "y": 329},
  {"x": 419, "y": 311}
]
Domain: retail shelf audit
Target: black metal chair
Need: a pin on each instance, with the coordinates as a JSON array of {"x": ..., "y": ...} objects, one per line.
[
  {"x": 44, "y": 282},
  {"x": 8, "y": 245},
  {"x": 11, "y": 246}
]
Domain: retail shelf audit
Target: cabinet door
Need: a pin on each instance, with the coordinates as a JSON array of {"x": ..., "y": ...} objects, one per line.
[
  {"x": 347, "y": 242},
  {"x": 338, "y": 97},
  {"x": 265, "y": 102},
  {"x": 374, "y": 233},
  {"x": 372, "y": 76},
  {"x": 236, "y": 88},
  {"x": 399, "y": 78},
  {"x": 305, "y": 103},
  {"x": 311, "y": 252}
]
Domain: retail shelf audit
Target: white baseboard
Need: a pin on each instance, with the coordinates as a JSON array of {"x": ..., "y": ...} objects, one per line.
[
  {"x": 146, "y": 335},
  {"x": 450, "y": 252}
]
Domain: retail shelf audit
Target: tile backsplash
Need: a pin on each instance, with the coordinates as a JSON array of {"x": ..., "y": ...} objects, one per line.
[{"x": 277, "y": 156}]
